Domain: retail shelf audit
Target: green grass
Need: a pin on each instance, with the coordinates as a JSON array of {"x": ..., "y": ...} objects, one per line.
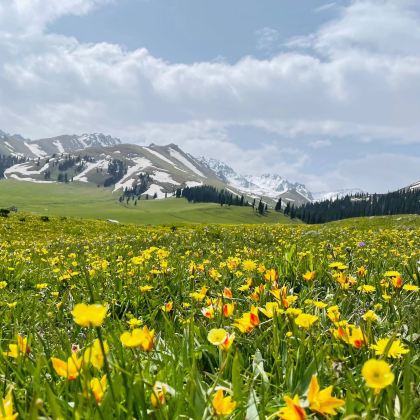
[
  {"x": 89, "y": 202},
  {"x": 47, "y": 267}
]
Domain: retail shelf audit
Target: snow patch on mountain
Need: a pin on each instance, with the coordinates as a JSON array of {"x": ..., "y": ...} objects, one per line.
[
  {"x": 35, "y": 149},
  {"x": 267, "y": 185},
  {"x": 24, "y": 169},
  {"x": 163, "y": 177},
  {"x": 89, "y": 167},
  {"x": 128, "y": 180},
  {"x": 191, "y": 184},
  {"x": 414, "y": 186},
  {"x": 97, "y": 139},
  {"x": 155, "y": 189},
  {"x": 37, "y": 181},
  {"x": 334, "y": 195},
  {"x": 185, "y": 162},
  {"x": 59, "y": 146}
]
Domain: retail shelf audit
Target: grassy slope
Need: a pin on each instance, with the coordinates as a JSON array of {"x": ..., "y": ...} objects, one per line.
[{"x": 86, "y": 201}]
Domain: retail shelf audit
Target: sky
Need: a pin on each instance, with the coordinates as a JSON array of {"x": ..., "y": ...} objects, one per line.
[{"x": 326, "y": 93}]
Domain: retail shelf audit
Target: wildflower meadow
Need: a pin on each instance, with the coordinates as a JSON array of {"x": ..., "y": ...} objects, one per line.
[{"x": 104, "y": 321}]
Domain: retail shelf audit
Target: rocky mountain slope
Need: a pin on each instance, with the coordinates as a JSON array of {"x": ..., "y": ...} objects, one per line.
[
  {"x": 153, "y": 170},
  {"x": 268, "y": 186},
  {"x": 19, "y": 146}
]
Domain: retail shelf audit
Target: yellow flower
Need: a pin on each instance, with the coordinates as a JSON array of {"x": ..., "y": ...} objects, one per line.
[
  {"x": 217, "y": 336},
  {"x": 214, "y": 274},
  {"x": 383, "y": 347},
  {"x": 245, "y": 286},
  {"x": 134, "y": 322},
  {"x": 248, "y": 321},
  {"x": 293, "y": 311},
  {"x": 208, "y": 312},
  {"x": 228, "y": 309},
  {"x": 321, "y": 401},
  {"x": 220, "y": 337},
  {"x": 377, "y": 374},
  {"x": 6, "y": 411},
  {"x": 350, "y": 334},
  {"x": 366, "y": 288},
  {"x": 94, "y": 354},
  {"x": 249, "y": 265},
  {"x": 271, "y": 308},
  {"x": 89, "y": 315},
  {"x": 392, "y": 274},
  {"x": 3, "y": 284},
  {"x": 167, "y": 307},
  {"x": 361, "y": 271},
  {"x": 19, "y": 349},
  {"x": 370, "y": 316},
  {"x": 293, "y": 410},
  {"x": 146, "y": 288},
  {"x": 309, "y": 276},
  {"x": 69, "y": 369},
  {"x": 199, "y": 296},
  {"x": 227, "y": 293},
  {"x": 98, "y": 388},
  {"x": 223, "y": 406},
  {"x": 411, "y": 287},
  {"x": 159, "y": 392},
  {"x": 138, "y": 338},
  {"x": 333, "y": 313},
  {"x": 305, "y": 320},
  {"x": 271, "y": 275}
]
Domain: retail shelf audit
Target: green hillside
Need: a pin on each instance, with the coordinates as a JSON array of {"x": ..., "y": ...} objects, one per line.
[{"x": 87, "y": 201}]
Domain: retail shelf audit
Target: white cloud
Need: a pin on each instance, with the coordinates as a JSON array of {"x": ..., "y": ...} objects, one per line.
[
  {"x": 326, "y": 6},
  {"x": 267, "y": 38},
  {"x": 319, "y": 144},
  {"x": 391, "y": 171},
  {"x": 24, "y": 17},
  {"x": 360, "y": 78}
]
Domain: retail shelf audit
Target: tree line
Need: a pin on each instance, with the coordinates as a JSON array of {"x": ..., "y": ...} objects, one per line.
[
  {"x": 7, "y": 161},
  {"x": 359, "y": 205},
  {"x": 210, "y": 194}
]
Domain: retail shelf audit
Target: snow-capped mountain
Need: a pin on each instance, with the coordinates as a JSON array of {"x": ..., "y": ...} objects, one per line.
[
  {"x": 71, "y": 143},
  {"x": 158, "y": 170},
  {"x": 333, "y": 195},
  {"x": 271, "y": 186},
  {"x": 413, "y": 186},
  {"x": 19, "y": 146},
  {"x": 105, "y": 161}
]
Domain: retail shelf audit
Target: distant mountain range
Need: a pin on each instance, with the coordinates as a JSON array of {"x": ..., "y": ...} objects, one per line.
[{"x": 104, "y": 160}]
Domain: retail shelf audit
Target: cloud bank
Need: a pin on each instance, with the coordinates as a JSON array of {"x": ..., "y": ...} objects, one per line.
[{"x": 357, "y": 77}]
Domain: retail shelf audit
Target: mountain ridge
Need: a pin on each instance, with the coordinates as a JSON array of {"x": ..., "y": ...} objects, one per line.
[{"x": 167, "y": 167}]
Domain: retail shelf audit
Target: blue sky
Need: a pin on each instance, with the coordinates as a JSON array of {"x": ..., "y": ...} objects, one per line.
[
  {"x": 187, "y": 31},
  {"x": 326, "y": 93}
]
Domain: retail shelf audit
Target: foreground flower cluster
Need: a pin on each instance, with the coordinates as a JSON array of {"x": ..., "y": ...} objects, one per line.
[{"x": 289, "y": 322}]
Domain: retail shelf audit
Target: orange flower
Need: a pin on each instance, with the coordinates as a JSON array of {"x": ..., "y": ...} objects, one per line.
[
  {"x": 167, "y": 307},
  {"x": 223, "y": 406},
  {"x": 98, "y": 388},
  {"x": 70, "y": 369},
  {"x": 19, "y": 349},
  {"x": 142, "y": 338},
  {"x": 228, "y": 309},
  {"x": 227, "y": 293},
  {"x": 248, "y": 321},
  {"x": 321, "y": 401},
  {"x": 293, "y": 410}
]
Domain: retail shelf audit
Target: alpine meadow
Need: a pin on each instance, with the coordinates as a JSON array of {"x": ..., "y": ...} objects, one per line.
[{"x": 209, "y": 210}]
